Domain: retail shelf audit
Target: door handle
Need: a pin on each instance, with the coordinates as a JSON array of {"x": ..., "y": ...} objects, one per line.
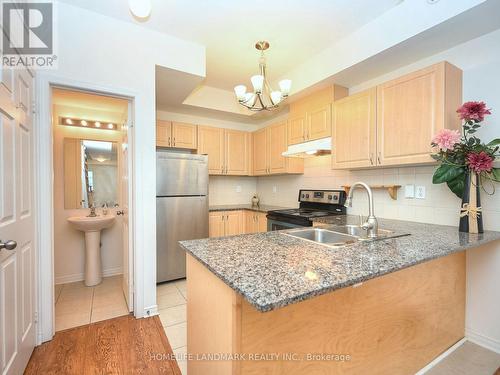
[
  {"x": 378, "y": 158},
  {"x": 174, "y": 141},
  {"x": 122, "y": 212},
  {"x": 8, "y": 245},
  {"x": 168, "y": 141},
  {"x": 371, "y": 159}
]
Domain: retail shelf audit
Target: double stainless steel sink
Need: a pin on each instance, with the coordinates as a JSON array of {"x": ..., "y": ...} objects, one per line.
[{"x": 340, "y": 235}]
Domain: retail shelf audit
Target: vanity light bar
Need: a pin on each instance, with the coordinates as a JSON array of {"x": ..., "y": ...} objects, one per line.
[{"x": 68, "y": 121}]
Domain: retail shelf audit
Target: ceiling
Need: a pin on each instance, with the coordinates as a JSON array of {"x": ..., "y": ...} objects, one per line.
[{"x": 296, "y": 29}]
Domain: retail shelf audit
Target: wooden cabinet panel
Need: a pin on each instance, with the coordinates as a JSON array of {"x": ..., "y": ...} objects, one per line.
[
  {"x": 236, "y": 152},
  {"x": 211, "y": 143},
  {"x": 412, "y": 108},
  {"x": 163, "y": 133},
  {"x": 216, "y": 224},
  {"x": 277, "y": 145},
  {"x": 260, "y": 150},
  {"x": 184, "y": 135},
  {"x": 354, "y": 131},
  {"x": 296, "y": 129},
  {"x": 233, "y": 223},
  {"x": 261, "y": 221},
  {"x": 319, "y": 122}
]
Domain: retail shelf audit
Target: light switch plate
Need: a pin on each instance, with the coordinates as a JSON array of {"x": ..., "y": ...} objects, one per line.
[
  {"x": 420, "y": 192},
  {"x": 275, "y": 189},
  {"x": 238, "y": 188},
  {"x": 409, "y": 191}
]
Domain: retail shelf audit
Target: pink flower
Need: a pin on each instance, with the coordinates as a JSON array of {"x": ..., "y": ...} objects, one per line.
[
  {"x": 446, "y": 139},
  {"x": 479, "y": 162},
  {"x": 473, "y": 111}
]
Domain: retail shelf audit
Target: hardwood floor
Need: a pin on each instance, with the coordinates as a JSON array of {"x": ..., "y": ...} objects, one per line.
[{"x": 123, "y": 345}]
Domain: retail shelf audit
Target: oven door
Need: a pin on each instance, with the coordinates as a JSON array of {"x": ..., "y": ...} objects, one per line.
[{"x": 280, "y": 225}]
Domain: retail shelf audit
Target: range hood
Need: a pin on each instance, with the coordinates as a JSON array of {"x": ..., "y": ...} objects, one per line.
[{"x": 317, "y": 147}]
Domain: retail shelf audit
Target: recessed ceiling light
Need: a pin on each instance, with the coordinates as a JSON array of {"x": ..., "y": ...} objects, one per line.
[
  {"x": 110, "y": 126},
  {"x": 140, "y": 8},
  {"x": 68, "y": 121},
  {"x": 83, "y": 123},
  {"x": 97, "y": 124}
]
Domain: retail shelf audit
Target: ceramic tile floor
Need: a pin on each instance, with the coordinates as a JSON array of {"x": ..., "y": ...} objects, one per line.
[
  {"x": 171, "y": 299},
  {"x": 78, "y": 305}
]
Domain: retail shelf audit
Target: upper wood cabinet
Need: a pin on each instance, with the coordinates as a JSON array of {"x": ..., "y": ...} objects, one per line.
[
  {"x": 412, "y": 108},
  {"x": 176, "y": 134},
  {"x": 310, "y": 117},
  {"x": 354, "y": 130},
  {"x": 268, "y": 145},
  {"x": 393, "y": 124},
  {"x": 228, "y": 150}
]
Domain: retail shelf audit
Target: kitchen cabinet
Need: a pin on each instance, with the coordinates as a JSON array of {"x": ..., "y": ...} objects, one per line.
[
  {"x": 268, "y": 145},
  {"x": 412, "y": 108},
  {"x": 354, "y": 130},
  {"x": 255, "y": 222},
  {"x": 393, "y": 123},
  {"x": 228, "y": 150},
  {"x": 225, "y": 223},
  {"x": 176, "y": 135},
  {"x": 310, "y": 117}
]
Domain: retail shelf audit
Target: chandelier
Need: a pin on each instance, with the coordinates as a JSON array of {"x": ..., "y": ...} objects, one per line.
[{"x": 263, "y": 96}]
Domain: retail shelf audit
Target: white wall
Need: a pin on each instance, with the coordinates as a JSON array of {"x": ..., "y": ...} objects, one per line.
[
  {"x": 207, "y": 121},
  {"x": 119, "y": 56},
  {"x": 479, "y": 59}
]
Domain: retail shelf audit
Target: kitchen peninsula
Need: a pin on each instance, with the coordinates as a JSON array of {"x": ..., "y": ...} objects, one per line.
[{"x": 392, "y": 305}]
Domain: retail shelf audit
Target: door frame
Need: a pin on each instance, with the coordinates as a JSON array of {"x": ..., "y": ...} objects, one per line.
[{"x": 44, "y": 190}]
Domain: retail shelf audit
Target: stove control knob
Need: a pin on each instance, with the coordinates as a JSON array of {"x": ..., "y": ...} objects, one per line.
[
  {"x": 330, "y": 197},
  {"x": 336, "y": 197},
  {"x": 307, "y": 195}
]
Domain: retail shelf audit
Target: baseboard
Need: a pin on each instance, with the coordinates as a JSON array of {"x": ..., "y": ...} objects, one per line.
[
  {"x": 80, "y": 276},
  {"x": 482, "y": 340},
  {"x": 440, "y": 357}
]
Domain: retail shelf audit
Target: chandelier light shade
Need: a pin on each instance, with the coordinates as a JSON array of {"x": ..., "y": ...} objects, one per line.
[{"x": 263, "y": 96}]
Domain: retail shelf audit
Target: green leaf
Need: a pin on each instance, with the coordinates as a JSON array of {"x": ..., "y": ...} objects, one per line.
[
  {"x": 494, "y": 142},
  {"x": 457, "y": 185},
  {"x": 495, "y": 174},
  {"x": 447, "y": 172}
]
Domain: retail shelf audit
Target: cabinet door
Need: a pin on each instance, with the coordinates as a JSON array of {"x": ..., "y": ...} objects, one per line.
[
  {"x": 7, "y": 100},
  {"x": 410, "y": 110},
  {"x": 236, "y": 155},
  {"x": 233, "y": 221},
  {"x": 216, "y": 224},
  {"x": 277, "y": 145},
  {"x": 296, "y": 129},
  {"x": 354, "y": 131},
  {"x": 261, "y": 222},
  {"x": 211, "y": 143},
  {"x": 250, "y": 222},
  {"x": 163, "y": 133},
  {"x": 319, "y": 122},
  {"x": 184, "y": 135},
  {"x": 260, "y": 152}
]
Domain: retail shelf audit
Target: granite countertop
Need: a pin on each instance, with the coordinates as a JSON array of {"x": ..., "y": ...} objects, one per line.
[
  {"x": 236, "y": 207},
  {"x": 272, "y": 270}
]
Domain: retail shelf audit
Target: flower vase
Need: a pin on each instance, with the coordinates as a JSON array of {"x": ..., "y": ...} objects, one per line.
[{"x": 471, "y": 219}]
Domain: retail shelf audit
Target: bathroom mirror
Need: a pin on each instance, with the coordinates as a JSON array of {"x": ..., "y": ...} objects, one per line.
[{"x": 90, "y": 173}]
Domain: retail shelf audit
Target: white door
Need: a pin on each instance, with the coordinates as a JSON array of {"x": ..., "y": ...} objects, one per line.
[
  {"x": 17, "y": 252},
  {"x": 128, "y": 263}
]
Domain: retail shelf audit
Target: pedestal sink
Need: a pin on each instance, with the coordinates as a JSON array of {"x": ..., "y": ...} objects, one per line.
[{"x": 92, "y": 227}]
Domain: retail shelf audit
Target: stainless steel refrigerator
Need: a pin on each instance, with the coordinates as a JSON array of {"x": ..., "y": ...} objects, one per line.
[{"x": 181, "y": 209}]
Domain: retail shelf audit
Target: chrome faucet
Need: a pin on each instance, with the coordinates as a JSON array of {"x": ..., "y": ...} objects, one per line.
[
  {"x": 92, "y": 211},
  {"x": 371, "y": 224}
]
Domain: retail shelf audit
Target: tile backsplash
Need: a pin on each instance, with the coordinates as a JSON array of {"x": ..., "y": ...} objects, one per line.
[
  {"x": 440, "y": 205},
  {"x": 231, "y": 189}
]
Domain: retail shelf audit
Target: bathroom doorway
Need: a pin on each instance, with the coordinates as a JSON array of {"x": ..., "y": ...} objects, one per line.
[{"x": 92, "y": 256}]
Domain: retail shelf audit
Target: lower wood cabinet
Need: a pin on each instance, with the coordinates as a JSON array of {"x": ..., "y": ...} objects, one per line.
[
  {"x": 231, "y": 223},
  {"x": 255, "y": 222},
  {"x": 225, "y": 223}
]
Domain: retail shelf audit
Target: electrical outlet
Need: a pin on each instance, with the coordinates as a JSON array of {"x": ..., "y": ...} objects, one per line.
[
  {"x": 409, "y": 191},
  {"x": 238, "y": 188},
  {"x": 420, "y": 192},
  {"x": 275, "y": 189}
]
